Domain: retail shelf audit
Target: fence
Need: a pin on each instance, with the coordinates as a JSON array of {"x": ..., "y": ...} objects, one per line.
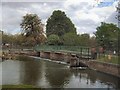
[{"x": 72, "y": 49}]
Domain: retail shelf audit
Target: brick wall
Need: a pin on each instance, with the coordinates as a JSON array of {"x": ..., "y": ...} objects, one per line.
[{"x": 105, "y": 67}]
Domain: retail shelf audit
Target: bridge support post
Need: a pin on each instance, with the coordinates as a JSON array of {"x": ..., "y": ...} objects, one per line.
[
  {"x": 41, "y": 54},
  {"x": 52, "y": 55},
  {"x": 67, "y": 57}
]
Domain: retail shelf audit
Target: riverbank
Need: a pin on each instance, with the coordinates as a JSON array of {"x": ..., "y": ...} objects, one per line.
[
  {"x": 109, "y": 68},
  {"x": 17, "y": 86},
  {"x": 113, "y": 59}
]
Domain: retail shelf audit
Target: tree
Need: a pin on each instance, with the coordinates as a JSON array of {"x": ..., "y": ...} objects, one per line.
[
  {"x": 84, "y": 39},
  {"x": 7, "y": 38},
  {"x": 53, "y": 39},
  {"x": 33, "y": 27},
  {"x": 92, "y": 42},
  {"x": 19, "y": 39},
  {"x": 118, "y": 18},
  {"x": 107, "y": 36},
  {"x": 58, "y": 23},
  {"x": 70, "y": 39}
]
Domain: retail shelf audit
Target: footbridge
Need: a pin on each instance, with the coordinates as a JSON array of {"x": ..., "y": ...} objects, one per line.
[{"x": 74, "y": 55}]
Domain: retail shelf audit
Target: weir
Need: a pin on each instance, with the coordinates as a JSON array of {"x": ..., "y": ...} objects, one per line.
[
  {"x": 73, "y": 59},
  {"x": 69, "y": 58}
]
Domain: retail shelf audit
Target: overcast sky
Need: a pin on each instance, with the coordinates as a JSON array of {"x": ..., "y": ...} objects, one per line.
[{"x": 86, "y": 15}]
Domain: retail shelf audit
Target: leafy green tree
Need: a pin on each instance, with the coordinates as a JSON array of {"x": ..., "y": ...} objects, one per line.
[
  {"x": 92, "y": 42},
  {"x": 32, "y": 27},
  {"x": 70, "y": 39},
  {"x": 84, "y": 39},
  {"x": 58, "y": 23},
  {"x": 19, "y": 39},
  {"x": 53, "y": 39},
  {"x": 107, "y": 36},
  {"x": 7, "y": 38}
]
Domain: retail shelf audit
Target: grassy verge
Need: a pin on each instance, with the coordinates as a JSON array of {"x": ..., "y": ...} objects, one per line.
[
  {"x": 17, "y": 86},
  {"x": 114, "y": 59}
]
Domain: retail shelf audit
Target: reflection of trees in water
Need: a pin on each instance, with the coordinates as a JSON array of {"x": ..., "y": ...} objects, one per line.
[
  {"x": 57, "y": 75},
  {"x": 104, "y": 78},
  {"x": 31, "y": 72},
  {"x": 82, "y": 74},
  {"x": 109, "y": 79},
  {"x": 92, "y": 76},
  {"x": 89, "y": 75}
]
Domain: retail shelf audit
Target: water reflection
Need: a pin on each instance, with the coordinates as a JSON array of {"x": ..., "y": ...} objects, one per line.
[
  {"x": 32, "y": 73},
  {"x": 57, "y": 75},
  {"x": 93, "y": 79},
  {"x": 47, "y": 74},
  {"x": 11, "y": 72}
]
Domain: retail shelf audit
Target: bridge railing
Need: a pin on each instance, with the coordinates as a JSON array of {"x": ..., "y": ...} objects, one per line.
[{"x": 72, "y": 49}]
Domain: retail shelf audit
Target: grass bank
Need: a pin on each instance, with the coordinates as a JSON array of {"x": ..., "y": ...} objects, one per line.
[
  {"x": 17, "y": 86},
  {"x": 114, "y": 59}
]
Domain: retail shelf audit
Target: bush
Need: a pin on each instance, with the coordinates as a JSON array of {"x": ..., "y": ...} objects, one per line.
[{"x": 53, "y": 39}]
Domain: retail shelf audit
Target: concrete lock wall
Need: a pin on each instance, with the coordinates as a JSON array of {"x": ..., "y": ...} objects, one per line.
[
  {"x": 52, "y": 56},
  {"x": 60, "y": 56},
  {"x": 67, "y": 57},
  {"x": 45, "y": 54},
  {"x": 57, "y": 56},
  {"x": 42, "y": 54},
  {"x": 105, "y": 67}
]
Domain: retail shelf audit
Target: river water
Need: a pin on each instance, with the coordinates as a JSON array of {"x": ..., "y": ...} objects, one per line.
[{"x": 47, "y": 74}]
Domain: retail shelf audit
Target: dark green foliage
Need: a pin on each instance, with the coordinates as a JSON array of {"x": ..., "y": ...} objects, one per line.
[
  {"x": 107, "y": 36},
  {"x": 70, "y": 39},
  {"x": 53, "y": 39},
  {"x": 7, "y": 38},
  {"x": 84, "y": 39},
  {"x": 58, "y": 23}
]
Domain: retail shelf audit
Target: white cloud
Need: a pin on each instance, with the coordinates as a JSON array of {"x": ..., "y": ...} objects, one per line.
[
  {"x": 83, "y": 14},
  {"x": 112, "y": 18}
]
